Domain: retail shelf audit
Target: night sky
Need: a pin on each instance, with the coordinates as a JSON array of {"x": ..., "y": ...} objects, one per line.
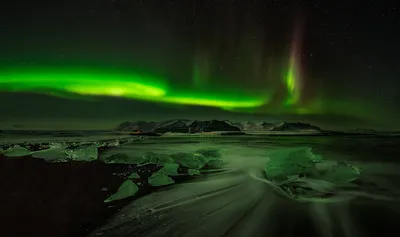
[{"x": 92, "y": 64}]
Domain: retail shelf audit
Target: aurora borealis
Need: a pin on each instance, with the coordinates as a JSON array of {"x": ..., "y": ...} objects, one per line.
[
  {"x": 119, "y": 83},
  {"x": 265, "y": 60}
]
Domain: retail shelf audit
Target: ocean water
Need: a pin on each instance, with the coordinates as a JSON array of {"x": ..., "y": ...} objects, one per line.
[{"x": 238, "y": 202}]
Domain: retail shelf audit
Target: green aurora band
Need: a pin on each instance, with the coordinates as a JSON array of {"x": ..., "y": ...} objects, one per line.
[
  {"x": 90, "y": 83},
  {"x": 119, "y": 83}
]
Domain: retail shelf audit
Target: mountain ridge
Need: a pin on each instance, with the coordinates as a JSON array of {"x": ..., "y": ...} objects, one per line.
[{"x": 198, "y": 126}]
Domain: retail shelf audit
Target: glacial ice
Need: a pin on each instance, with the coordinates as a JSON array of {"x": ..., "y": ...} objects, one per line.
[
  {"x": 59, "y": 153},
  {"x": 118, "y": 158},
  {"x": 155, "y": 158},
  {"x": 56, "y": 154},
  {"x": 160, "y": 179},
  {"x": 170, "y": 169},
  {"x": 146, "y": 159},
  {"x": 213, "y": 157},
  {"x": 210, "y": 153},
  {"x": 64, "y": 150},
  {"x": 193, "y": 172},
  {"x": 82, "y": 153},
  {"x": 190, "y": 160},
  {"x": 134, "y": 176},
  {"x": 290, "y": 162},
  {"x": 303, "y": 175},
  {"x": 215, "y": 163},
  {"x": 17, "y": 151},
  {"x": 339, "y": 173},
  {"x": 127, "y": 189}
]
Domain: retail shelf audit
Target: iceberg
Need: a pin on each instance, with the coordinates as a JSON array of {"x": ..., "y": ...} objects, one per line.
[{"x": 190, "y": 160}]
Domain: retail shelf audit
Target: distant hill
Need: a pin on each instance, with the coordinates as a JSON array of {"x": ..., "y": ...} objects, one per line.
[{"x": 296, "y": 127}]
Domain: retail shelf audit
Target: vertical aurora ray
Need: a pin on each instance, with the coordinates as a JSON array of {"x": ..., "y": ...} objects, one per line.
[
  {"x": 201, "y": 70},
  {"x": 196, "y": 75},
  {"x": 293, "y": 77}
]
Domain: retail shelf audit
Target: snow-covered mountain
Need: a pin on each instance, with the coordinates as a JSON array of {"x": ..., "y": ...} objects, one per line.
[
  {"x": 195, "y": 126},
  {"x": 254, "y": 126},
  {"x": 296, "y": 127},
  {"x": 178, "y": 126}
]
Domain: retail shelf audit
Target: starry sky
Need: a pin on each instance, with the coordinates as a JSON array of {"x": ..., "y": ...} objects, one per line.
[{"x": 95, "y": 63}]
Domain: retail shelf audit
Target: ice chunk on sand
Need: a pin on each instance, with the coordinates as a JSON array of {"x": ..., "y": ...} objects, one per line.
[
  {"x": 339, "y": 173},
  {"x": 190, "y": 160},
  {"x": 119, "y": 158},
  {"x": 82, "y": 153},
  {"x": 134, "y": 176},
  {"x": 147, "y": 158},
  {"x": 210, "y": 153},
  {"x": 61, "y": 153},
  {"x": 160, "y": 179},
  {"x": 56, "y": 154},
  {"x": 170, "y": 169},
  {"x": 215, "y": 163},
  {"x": 17, "y": 151},
  {"x": 193, "y": 172},
  {"x": 155, "y": 158},
  {"x": 304, "y": 176},
  {"x": 127, "y": 189},
  {"x": 213, "y": 156},
  {"x": 289, "y": 162}
]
